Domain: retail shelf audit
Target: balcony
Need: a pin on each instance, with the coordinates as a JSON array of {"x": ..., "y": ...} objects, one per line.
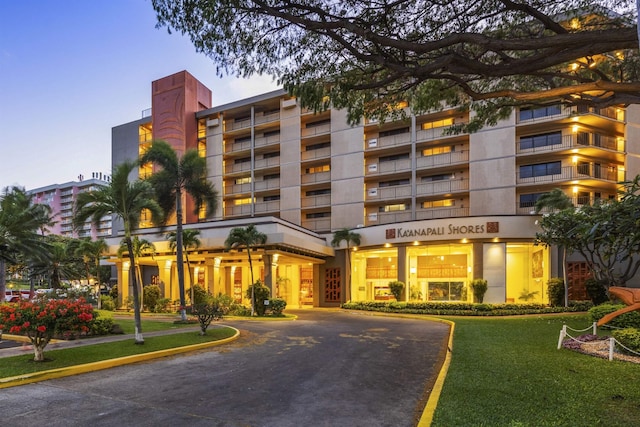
[
  {"x": 442, "y": 187},
  {"x": 233, "y": 124},
  {"x": 316, "y": 154},
  {"x": 267, "y": 163},
  {"x": 375, "y": 168},
  {"x": 452, "y": 212},
  {"x": 389, "y": 193},
  {"x": 267, "y": 117},
  {"x": 437, "y": 133},
  {"x": 259, "y": 208},
  {"x": 389, "y": 141},
  {"x": 316, "y": 201},
  {"x": 377, "y": 218},
  {"x": 569, "y": 173},
  {"x": 267, "y": 184},
  {"x": 316, "y": 130},
  {"x": 582, "y": 140},
  {"x": 311, "y": 178},
  {"x": 265, "y": 141},
  {"x": 317, "y": 224},
  {"x": 231, "y": 167},
  {"x": 444, "y": 159},
  {"x": 233, "y": 146},
  {"x": 237, "y": 188}
]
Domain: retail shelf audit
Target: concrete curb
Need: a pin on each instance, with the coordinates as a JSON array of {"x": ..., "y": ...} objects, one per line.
[{"x": 109, "y": 363}]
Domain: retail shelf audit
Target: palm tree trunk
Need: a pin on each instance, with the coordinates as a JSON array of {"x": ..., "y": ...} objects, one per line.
[
  {"x": 564, "y": 277},
  {"x": 253, "y": 288},
  {"x": 179, "y": 256},
  {"x": 186, "y": 256},
  {"x": 136, "y": 294}
]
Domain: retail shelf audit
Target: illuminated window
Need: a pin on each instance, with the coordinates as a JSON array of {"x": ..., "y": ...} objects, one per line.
[
  {"x": 437, "y": 124},
  {"x": 318, "y": 169},
  {"x": 202, "y": 129},
  {"x": 245, "y": 180},
  {"x": 438, "y": 203},
  {"x": 202, "y": 148},
  {"x": 145, "y": 219},
  {"x": 144, "y": 133},
  {"x": 393, "y": 208},
  {"x": 434, "y": 151},
  {"x": 239, "y": 202}
]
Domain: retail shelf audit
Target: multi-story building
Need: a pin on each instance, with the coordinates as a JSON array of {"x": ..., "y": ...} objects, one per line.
[
  {"x": 433, "y": 209},
  {"x": 61, "y": 199}
]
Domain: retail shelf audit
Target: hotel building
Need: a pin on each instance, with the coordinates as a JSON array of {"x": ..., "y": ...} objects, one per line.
[{"x": 433, "y": 210}]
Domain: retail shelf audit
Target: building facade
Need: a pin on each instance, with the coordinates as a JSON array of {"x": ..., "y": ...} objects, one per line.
[
  {"x": 61, "y": 199},
  {"x": 433, "y": 209}
]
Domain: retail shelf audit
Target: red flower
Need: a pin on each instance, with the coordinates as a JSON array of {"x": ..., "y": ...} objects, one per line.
[{"x": 42, "y": 328}]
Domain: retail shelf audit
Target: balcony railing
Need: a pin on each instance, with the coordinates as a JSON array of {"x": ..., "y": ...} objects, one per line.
[
  {"x": 317, "y": 224},
  {"x": 577, "y": 141},
  {"x": 266, "y": 118},
  {"x": 268, "y": 162},
  {"x": 444, "y": 159},
  {"x": 231, "y": 167},
  {"x": 237, "y": 188},
  {"x": 310, "y": 178},
  {"x": 393, "y": 140},
  {"x": 442, "y": 213},
  {"x": 316, "y": 130},
  {"x": 267, "y": 184},
  {"x": 238, "y": 124},
  {"x": 374, "y": 218},
  {"x": 442, "y": 187},
  {"x": 389, "y": 193},
  {"x": 316, "y": 154},
  {"x": 264, "y": 141},
  {"x": 577, "y": 172},
  {"x": 316, "y": 201},
  {"x": 259, "y": 208},
  {"x": 374, "y": 167},
  {"x": 435, "y": 133}
]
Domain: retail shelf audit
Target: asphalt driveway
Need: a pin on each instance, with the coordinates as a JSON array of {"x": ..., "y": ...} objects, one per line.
[{"x": 328, "y": 368}]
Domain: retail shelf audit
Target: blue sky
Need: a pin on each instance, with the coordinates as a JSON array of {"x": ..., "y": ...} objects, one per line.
[{"x": 71, "y": 70}]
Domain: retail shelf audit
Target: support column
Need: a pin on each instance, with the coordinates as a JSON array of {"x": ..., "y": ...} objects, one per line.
[{"x": 268, "y": 272}]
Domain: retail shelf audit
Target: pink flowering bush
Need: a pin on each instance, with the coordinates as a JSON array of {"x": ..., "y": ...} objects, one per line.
[{"x": 43, "y": 319}]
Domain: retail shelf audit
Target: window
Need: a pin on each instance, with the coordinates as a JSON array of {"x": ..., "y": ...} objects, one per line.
[
  {"x": 318, "y": 215},
  {"x": 438, "y": 203},
  {"x": 437, "y": 124},
  {"x": 244, "y": 180},
  {"x": 318, "y": 123},
  {"x": 392, "y": 132},
  {"x": 529, "y": 113},
  {"x": 271, "y": 155},
  {"x": 529, "y": 200},
  {"x": 394, "y": 183},
  {"x": 271, "y": 176},
  {"x": 393, "y": 208},
  {"x": 239, "y": 202},
  {"x": 271, "y": 133},
  {"x": 434, "y": 151},
  {"x": 540, "y": 169},
  {"x": 318, "y": 169},
  {"x": 271, "y": 198},
  {"x": 543, "y": 140},
  {"x": 318, "y": 192},
  {"x": 318, "y": 146},
  {"x": 241, "y": 140},
  {"x": 242, "y": 160},
  {"x": 394, "y": 157},
  {"x": 443, "y": 177}
]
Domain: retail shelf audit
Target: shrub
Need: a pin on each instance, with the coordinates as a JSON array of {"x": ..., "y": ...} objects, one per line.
[
  {"x": 226, "y": 302},
  {"x": 113, "y": 292},
  {"x": 150, "y": 297},
  {"x": 396, "y": 288},
  {"x": 200, "y": 295},
  {"x": 205, "y": 313},
  {"x": 626, "y": 320},
  {"x": 628, "y": 337},
  {"x": 107, "y": 303},
  {"x": 277, "y": 306},
  {"x": 596, "y": 290},
  {"x": 240, "y": 310},
  {"x": 163, "y": 305},
  {"x": 555, "y": 291},
  {"x": 261, "y": 294},
  {"x": 101, "y": 326},
  {"x": 479, "y": 288}
]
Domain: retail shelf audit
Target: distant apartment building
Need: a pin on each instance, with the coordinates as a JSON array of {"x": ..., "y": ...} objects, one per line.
[
  {"x": 61, "y": 198},
  {"x": 433, "y": 209}
]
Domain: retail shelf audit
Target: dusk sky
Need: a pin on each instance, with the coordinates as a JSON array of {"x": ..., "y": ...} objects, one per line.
[{"x": 71, "y": 70}]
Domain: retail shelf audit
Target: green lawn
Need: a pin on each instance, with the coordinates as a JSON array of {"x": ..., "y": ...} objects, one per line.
[
  {"x": 508, "y": 372},
  {"x": 23, "y": 364}
]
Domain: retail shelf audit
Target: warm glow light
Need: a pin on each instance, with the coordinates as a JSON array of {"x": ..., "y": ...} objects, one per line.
[
  {"x": 465, "y": 240},
  {"x": 496, "y": 240},
  {"x": 574, "y": 159},
  {"x": 575, "y": 190},
  {"x": 575, "y": 128},
  {"x": 216, "y": 262},
  {"x": 387, "y": 245}
]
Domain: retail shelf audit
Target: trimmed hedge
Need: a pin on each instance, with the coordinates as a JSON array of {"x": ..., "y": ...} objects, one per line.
[
  {"x": 626, "y": 320},
  {"x": 463, "y": 308}
]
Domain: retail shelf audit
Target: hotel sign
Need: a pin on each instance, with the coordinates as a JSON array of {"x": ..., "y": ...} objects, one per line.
[{"x": 450, "y": 230}]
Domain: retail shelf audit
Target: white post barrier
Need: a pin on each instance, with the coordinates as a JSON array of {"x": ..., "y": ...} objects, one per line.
[
  {"x": 595, "y": 330},
  {"x": 563, "y": 333},
  {"x": 612, "y": 346}
]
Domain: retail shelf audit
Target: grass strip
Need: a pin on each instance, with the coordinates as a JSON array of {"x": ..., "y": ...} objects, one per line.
[
  {"x": 509, "y": 372},
  {"x": 24, "y": 364}
]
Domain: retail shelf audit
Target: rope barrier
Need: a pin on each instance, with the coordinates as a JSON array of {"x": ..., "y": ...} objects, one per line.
[{"x": 612, "y": 341}]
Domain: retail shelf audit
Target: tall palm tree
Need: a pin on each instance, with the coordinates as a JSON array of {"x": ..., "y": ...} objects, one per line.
[
  {"x": 91, "y": 251},
  {"x": 141, "y": 247},
  {"x": 175, "y": 177},
  {"x": 189, "y": 240},
  {"x": 20, "y": 220},
  {"x": 247, "y": 238},
  {"x": 554, "y": 201},
  {"x": 349, "y": 237},
  {"x": 127, "y": 201}
]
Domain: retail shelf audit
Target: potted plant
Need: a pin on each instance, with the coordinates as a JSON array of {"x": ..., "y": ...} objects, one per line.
[
  {"x": 396, "y": 287},
  {"x": 479, "y": 288}
]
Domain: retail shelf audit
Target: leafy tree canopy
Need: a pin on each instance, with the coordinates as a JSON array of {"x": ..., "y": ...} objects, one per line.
[{"x": 372, "y": 56}]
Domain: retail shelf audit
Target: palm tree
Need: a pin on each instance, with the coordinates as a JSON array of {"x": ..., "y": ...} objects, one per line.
[
  {"x": 348, "y": 237},
  {"x": 554, "y": 201},
  {"x": 175, "y": 177},
  {"x": 126, "y": 200},
  {"x": 141, "y": 247},
  {"x": 91, "y": 251},
  {"x": 189, "y": 240},
  {"x": 247, "y": 238},
  {"x": 20, "y": 221}
]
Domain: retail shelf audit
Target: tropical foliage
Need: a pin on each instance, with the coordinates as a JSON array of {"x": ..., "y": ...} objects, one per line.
[
  {"x": 372, "y": 57},
  {"x": 174, "y": 178}
]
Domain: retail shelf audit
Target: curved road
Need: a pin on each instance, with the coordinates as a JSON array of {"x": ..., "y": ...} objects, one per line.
[{"x": 328, "y": 368}]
